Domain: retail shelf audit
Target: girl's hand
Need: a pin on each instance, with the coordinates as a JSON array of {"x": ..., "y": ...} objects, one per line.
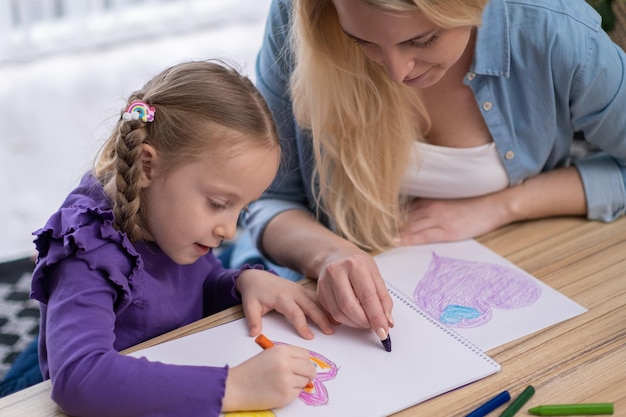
[
  {"x": 262, "y": 292},
  {"x": 352, "y": 290},
  {"x": 271, "y": 379}
]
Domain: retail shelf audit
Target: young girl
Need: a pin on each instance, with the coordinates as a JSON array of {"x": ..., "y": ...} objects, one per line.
[{"x": 128, "y": 256}]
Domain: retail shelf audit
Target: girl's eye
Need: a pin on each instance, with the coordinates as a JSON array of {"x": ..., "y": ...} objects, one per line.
[
  {"x": 216, "y": 205},
  {"x": 425, "y": 44}
]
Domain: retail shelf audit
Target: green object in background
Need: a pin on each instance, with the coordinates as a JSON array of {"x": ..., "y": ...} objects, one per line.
[{"x": 605, "y": 8}]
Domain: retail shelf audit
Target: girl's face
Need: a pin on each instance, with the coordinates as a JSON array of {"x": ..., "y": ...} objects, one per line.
[
  {"x": 195, "y": 205},
  {"x": 412, "y": 48}
]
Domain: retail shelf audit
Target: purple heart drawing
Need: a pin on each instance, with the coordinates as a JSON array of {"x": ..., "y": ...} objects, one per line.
[{"x": 461, "y": 293}]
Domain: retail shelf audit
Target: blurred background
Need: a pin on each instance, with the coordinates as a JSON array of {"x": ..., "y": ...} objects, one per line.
[{"x": 66, "y": 67}]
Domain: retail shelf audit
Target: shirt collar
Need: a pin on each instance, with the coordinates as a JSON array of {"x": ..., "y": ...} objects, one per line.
[{"x": 493, "y": 53}]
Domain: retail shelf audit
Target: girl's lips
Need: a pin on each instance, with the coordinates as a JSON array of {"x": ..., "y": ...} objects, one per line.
[{"x": 202, "y": 249}]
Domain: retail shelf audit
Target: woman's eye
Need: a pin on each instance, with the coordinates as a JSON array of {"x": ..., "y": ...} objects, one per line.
[
  {"x": 359, "y": 42},
  {"x": 425, "y": 44}
]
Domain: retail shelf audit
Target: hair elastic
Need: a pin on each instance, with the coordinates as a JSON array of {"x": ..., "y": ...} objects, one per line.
[{"x": 139, "y": 110}]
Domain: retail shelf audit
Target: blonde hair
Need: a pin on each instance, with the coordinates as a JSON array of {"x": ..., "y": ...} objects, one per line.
[
  {"x": 363, "y": 125},
  {"x": 186, "y": 97}
]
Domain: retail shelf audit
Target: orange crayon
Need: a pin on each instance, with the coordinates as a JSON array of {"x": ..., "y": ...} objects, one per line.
[{"x": 265, "y": 343}]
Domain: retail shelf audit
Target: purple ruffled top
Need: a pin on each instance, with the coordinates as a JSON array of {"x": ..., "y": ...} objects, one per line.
[{"x": 101, "y": 293}]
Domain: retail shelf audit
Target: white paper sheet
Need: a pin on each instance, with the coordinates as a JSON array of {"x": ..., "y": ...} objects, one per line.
[
  {"x": 361, "y": 378},
  {"x": 473, "y": 290}
]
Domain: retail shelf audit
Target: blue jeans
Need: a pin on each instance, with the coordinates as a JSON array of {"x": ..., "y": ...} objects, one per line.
[{"x": 24, "y": 372}]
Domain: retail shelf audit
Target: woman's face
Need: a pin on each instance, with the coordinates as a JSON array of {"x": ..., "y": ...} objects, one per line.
[{"x": 412, "y": 48}]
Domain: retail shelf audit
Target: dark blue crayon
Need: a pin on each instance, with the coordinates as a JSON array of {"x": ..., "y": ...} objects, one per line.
[
  {"x": 491, "y": 405},
  {"x": 387, "y": 343}
]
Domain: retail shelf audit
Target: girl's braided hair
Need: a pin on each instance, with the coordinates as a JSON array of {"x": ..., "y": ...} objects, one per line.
[{"x": 186, "y": 97}]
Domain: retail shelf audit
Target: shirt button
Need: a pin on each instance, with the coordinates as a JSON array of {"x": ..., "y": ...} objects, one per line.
[
  {"x": 471, "y": 76},
  {"x": 509, "y": 155},
  {"x": 487, "y": 105}
]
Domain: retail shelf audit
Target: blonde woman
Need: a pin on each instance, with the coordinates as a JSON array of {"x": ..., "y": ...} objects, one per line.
[{"x": 414, "y": 121}]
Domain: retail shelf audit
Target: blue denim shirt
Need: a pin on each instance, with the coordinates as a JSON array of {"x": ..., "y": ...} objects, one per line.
[{"x": 542, "y": 70}]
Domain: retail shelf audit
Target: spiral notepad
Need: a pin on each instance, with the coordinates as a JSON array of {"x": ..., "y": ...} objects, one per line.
[
  {"x": 356, "y": 376},
  {"x": 451, "y": 302}
]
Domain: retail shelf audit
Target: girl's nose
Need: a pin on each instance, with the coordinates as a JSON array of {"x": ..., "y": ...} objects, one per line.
[{"x": 226, "y": 230}]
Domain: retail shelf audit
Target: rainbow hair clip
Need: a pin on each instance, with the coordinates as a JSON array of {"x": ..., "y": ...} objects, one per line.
[{"x": 139, "y": 110}]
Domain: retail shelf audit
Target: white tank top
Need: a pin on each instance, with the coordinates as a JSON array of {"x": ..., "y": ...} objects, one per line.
[{"x": 443, "y": 172}]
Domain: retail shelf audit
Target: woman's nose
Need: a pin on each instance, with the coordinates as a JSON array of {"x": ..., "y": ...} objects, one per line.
[{"x": 398, "y": 65}]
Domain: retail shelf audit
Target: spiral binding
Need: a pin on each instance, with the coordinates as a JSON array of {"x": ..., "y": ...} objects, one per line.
[{"x": 409, "y": 303}]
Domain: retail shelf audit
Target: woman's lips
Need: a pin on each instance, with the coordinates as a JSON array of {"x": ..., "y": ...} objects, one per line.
[{"x": 416, "y": 80}]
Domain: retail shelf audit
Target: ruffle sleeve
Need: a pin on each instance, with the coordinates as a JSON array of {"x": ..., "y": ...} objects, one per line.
[{"x": 87, "y": 234}]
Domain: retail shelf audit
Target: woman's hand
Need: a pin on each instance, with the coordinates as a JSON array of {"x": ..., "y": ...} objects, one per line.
[
  {"x": 349, "y": 285},
  {"x": 430, "y": 221},
  {"x": 558, "y": 192},
  {"x": 263, "y": 292},
  {"x": 352, "y": 290},
  {"x": 271, "y": 379}
]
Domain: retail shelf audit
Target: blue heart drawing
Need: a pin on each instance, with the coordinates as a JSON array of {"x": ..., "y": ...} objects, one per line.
[{"x": 455, "y": 314}]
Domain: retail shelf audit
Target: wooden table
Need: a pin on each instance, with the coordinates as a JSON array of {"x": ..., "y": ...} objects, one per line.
[{"x": 580, "y": 360}]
